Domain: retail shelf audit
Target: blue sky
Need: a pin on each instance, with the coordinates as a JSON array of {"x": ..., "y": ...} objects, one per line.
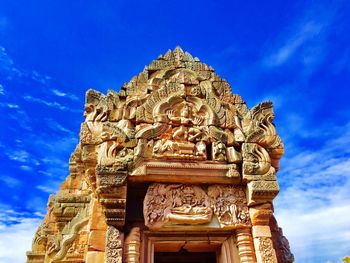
[{"x": 295, "y": 53}]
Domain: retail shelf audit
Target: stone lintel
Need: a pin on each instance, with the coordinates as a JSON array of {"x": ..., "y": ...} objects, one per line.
[{"x": 186, "y": 172}]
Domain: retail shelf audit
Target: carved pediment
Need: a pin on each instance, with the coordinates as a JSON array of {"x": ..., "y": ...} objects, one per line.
[{"x": 178, "y": 127}]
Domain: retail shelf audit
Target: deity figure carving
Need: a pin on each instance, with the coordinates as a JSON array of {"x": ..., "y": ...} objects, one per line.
[
  {"x": 230, "y": 205},
  {"x": 176, "y": 204}
]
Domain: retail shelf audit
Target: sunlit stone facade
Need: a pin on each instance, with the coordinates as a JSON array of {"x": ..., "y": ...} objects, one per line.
[{"x": 173, "y": 168}]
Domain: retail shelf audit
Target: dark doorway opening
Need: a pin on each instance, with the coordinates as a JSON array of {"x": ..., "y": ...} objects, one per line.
[{"x": 184, "y": 256}]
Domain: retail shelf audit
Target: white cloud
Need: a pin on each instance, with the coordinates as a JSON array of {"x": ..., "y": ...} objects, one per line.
[
  {"x": 2, "y": 89},
  {"x": 16, "y": 239},
  {"x": 52, "y": 104},
  {"x": 54, "y": 125},
  {"x": 10, "y": 181},
  {"x": 51, "y": 189},
  {"x": 22, "y": 118},
  {"x": 43, "y": 79},
  {"x": 18, "y": 155},
  {"x": 25, "y": 159},
  {"x": 314, "y": 203},
  {"x": 7, "y": 65},
  {"x": 26, "y": 168},
  {"x": 305, "y": 41},
  {"x": 64, "y": 94},
  {"x": 9, "y": 105},
  {"x": 305, "y": 33}
]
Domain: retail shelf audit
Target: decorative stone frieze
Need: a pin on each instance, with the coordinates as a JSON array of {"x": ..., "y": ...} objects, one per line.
[
  {"x": 200, "y": 158},
  {"x": 176, "y": 205},
  {"x": 179, "y": 204}
]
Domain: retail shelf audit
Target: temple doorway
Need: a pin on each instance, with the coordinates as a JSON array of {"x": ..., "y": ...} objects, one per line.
[
  {"x": 184, "y": 256},
  {"x": 189, "y": 247}
]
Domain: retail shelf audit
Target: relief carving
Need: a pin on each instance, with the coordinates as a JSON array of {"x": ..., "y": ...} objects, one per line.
[
  {"x": 167, "y": 205},
  {"x": 259, "y": 128},
  {"x": 229, "y": 205},
  {"x": 256, "y": 159},
  {"x": 264, "y": 131},
  {"x": 178, "y": 121},
  {"x": 256, "y": 163},
  {"x": 114, "y": 246},
  {"x": 266, "y": 250},
  {"x": 219, "y": 151},
  {"x": 96, "y": 109},
  {"x": 176, "y": 204},
  {"x": 40, "y": 239},
  {"x": 60, "y": 244},
  {"x": 78, "y": 248}
]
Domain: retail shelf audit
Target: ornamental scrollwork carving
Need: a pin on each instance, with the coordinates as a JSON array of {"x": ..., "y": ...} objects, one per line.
[
  {"x": 266, "y": 250},
  {"x": 114, "y": 246}
]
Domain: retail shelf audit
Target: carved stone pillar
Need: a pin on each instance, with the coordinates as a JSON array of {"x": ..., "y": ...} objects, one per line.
[
  {"x": 132, "y": 246},
  {"x": 245, "y": 245},
  {"x": 111, "y": 190},
  {"x": 264, "y": 251},
  {"x": 114, "y": 245},
  {"x": 260, "y": 216}
]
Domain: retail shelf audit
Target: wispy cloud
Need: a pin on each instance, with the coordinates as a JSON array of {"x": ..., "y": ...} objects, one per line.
[
  {"x": 10, "y": 181},
  {"x": 2, "y": 89},
  {"x": 7, "y": 66},
  {"x": 305, "y": 42},
  {"x": 21, "y": 117},
  {"x": 52, "y": 104},
  {"x": 43, "y": 79},
  {"x": 54, "y": 125},
  {"x": 65, "y": 95},
  {"x": 314, "y": 204},
  {"x": 307, "y": 32},
  {"x": 9, "y": 105},
  {"x": 51, "y": 188},
  {"x": 18, "y": 155},
  {"x": 23, "y": 157}
]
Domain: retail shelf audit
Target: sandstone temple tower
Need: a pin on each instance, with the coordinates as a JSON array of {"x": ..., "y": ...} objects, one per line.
[{"x": 173, "y": 168}]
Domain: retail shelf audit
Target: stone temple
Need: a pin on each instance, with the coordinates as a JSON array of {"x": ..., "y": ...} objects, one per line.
[{"x": 173, "y": 168}]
